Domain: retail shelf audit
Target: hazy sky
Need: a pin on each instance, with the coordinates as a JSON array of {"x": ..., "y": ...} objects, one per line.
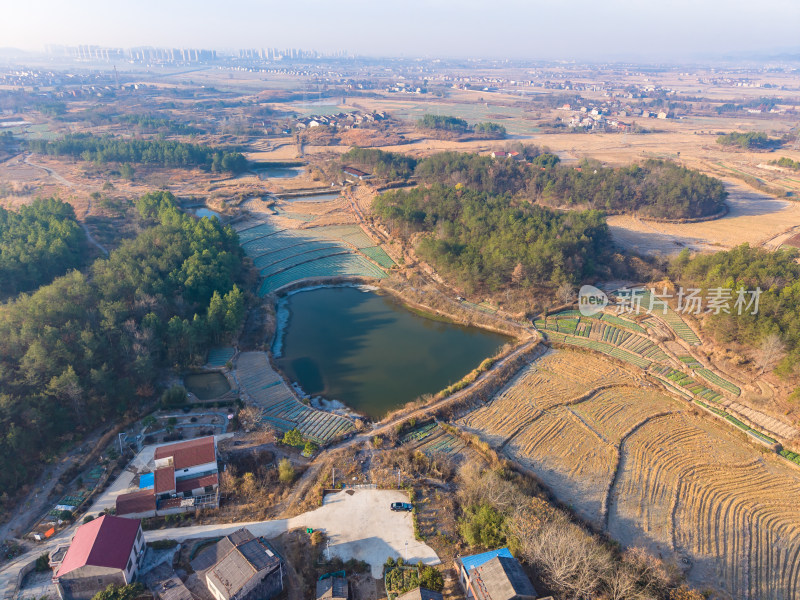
[{"x": 651, "y": 29}]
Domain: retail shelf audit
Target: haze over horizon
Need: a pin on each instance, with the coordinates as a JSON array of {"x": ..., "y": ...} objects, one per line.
[{"x": 583, "y": 30}]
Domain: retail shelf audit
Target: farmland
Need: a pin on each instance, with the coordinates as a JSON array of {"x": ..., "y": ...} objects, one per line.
[
  {"x": 651, "y": 471},
  {"x": 296, "y": 240},
  {"x": 281, "y": 408}
]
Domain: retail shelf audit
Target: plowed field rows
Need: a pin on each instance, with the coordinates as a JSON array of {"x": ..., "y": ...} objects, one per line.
[{"x": 652, "y": 472}]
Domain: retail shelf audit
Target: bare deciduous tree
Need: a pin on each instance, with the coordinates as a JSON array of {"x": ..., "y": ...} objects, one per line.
[
  {"x": 770, "y": 352},
  {"x": 251, "y": 417},
  {"x": 565, "y": 293}
]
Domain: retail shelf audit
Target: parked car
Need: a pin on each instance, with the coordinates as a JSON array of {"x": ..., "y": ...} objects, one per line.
[{"x": 402, "y": 506}]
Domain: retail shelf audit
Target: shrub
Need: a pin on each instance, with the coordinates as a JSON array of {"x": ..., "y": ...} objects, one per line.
[
  {"x": 285, "y": 470},
  {"x": 43, "y": 562},
  {"x": 293, "y": 438},
  {"x": 162, "y": 544},
  {"x": 431, "y": 578},
  {"x": 483, "y": 526},
  {"x": 174, "y": 396}
]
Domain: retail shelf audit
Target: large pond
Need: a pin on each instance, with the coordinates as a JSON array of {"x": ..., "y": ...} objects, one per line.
[
  {"x": 206, "y": 386},
  {"x": 369, "y": 352}
]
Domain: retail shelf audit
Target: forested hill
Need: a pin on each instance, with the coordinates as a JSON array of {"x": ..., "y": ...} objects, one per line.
[
  {"x": 157, "y": 152},
  {"x": 87, "y": 348},
  {"x": 774, "y": 331},
  {"x": 38, "y": 242},
  {"x": 656, "y": 188},
  {"x": 487, "y": 241}
]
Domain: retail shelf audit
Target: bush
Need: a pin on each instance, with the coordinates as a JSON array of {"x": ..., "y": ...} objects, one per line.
[
  {"x": 120, "y": 592},
  {"x": 285, "y": 470},
  {"x": 174, "y": 397},
  {"x": 162, "y": 544},
  {"x": 431, "y": 578},
  {"x": 66, "y": 515},
  {"x": 88, "y": 518},
  {"x": 43, "y": 562},
  {"x": 293, "y": 438},
  {"x": 483, "y": 526}
]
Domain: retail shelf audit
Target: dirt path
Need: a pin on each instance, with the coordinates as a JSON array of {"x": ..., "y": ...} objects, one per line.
[{"x": 62, "y": 180}]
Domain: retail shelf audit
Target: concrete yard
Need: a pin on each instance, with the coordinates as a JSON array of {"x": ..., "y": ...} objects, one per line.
[{"x": 358, "y": 523}]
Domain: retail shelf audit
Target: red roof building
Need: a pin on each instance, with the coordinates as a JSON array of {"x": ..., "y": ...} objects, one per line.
[
  {"x": 185, "y": 455},
  {"x": 164, "y": 481},
  {"x": 137, "y": 503},
  {"x": 103, "y": 551},
  {"x": 186, "y": 472}
]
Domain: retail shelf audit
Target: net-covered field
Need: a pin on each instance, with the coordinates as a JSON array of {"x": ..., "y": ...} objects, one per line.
[
  {"x": 285, "y": 255},
  {"x": 267, "y": 390}
]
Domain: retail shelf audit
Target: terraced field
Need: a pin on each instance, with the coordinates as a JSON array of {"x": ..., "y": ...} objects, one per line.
[
  {"x": 262, "y": 386},
  {"x": 432, "y": 439},
  {"x": 284, "y": 252},
  {"x": 652, "y": 472}
]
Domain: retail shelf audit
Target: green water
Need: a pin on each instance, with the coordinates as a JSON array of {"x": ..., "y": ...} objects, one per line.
[
  {"x": 206, "y": 386},
  {"x": 371, "y": 353}
]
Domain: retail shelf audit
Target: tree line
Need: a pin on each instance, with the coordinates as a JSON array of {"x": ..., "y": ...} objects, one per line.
[
  {"x": 86, "y": 348},
  {"x": 38, "y": 242},
  {"x": 486, "y": 130},
  {"x": 656, "y": 188},
  {"x": 750, "y": 140},
  {"x": 163, "y": 153},
  {"x": 486, "y": 240}
]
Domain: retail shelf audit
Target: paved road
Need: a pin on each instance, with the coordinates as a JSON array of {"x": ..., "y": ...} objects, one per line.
[{"x": 358, "y": 523}]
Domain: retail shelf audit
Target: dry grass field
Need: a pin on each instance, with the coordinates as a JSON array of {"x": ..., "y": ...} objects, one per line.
[{"x": 652, "y": 471}]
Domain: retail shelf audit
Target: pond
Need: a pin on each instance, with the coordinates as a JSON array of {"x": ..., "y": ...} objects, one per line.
[
  {"x": 370, "y": 352},
  {"x": 279, "y": 172},
  {"x": 314, "y": 198},
  {"x": 206, "y": 386},
  {"x": 206, "y": 212}
]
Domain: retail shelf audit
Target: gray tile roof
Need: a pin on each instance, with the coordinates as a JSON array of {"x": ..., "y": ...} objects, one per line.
[
  {"x": 247, "y": 557},
  {"x": 332, "y": 588},
  {"x": 501, "y": 578},
  {"x": 420, "y": 593}
]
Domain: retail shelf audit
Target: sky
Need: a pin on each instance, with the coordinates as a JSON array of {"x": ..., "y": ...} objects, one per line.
[{"x": 533, "y": 29}]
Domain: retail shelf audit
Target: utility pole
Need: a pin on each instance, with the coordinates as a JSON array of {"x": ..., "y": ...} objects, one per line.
[{"x": 333, "y": 477}]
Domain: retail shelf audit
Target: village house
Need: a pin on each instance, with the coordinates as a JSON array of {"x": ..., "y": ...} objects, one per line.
[
  {"x": 494, "y": 575},
  {"x": 103, "y": 551},
  {"x": 186, "y": 477},
  {"x": 333, "y": 587},
  {"x": 353, "y": 173},
  {"x": 420, "y": 593},
  {"x": 241, "y": 567}
]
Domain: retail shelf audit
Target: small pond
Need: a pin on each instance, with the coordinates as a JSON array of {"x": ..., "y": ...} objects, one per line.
[
  {"x": 206, "y": 386},
  {"x": 279, "y": 172},
  {"x": 206, "y": 212}
]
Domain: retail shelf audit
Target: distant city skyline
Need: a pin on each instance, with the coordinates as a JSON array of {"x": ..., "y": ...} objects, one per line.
[{"x": 580, "y": 30}]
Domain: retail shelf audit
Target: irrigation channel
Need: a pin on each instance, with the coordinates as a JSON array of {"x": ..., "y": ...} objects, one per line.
[{"x": 350, "y": 345}]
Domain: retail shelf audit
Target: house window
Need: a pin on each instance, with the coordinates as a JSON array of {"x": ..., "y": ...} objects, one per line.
[
  {"x": 187, "y": 494},
  {"x": 130, "y": 564},
  {"x": 139, "y": 536},
  {"x": 209, "y": 489}
]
